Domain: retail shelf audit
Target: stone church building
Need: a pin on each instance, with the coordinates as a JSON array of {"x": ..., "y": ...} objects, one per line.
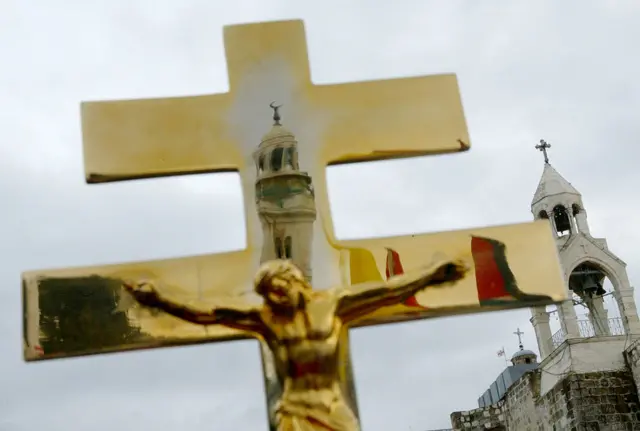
[{"x": 589, "y": 370}]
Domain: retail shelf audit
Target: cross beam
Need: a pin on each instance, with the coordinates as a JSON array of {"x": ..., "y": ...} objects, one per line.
[{"x": 84, "y": 310}]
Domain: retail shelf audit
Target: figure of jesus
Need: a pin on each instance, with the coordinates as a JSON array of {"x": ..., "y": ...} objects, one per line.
[{"x": 302, "y": 328}]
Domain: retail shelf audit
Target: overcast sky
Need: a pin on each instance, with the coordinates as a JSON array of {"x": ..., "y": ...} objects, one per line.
[{"x": 563, "y": 71}]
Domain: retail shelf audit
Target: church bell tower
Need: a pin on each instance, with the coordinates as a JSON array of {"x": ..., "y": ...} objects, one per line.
[
  {"x": 586, "y": 261},
  {"x": 284, "y": 198}
]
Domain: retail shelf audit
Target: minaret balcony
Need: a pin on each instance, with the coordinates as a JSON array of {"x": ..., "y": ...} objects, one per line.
[{"x": 286, "y": 172}]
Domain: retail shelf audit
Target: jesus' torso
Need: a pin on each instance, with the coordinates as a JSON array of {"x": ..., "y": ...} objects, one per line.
[{"x": 306, "y": 348}]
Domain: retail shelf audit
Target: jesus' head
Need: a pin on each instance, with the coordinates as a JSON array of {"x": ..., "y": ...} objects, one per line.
[{"x": 282, "y": 285}]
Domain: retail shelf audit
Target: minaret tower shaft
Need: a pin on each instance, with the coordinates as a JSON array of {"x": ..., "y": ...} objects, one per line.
[{"x": 284, "y": 198}]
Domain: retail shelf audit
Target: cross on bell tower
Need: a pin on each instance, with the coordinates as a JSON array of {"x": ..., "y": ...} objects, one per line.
[{"x": 543, "y": 146}]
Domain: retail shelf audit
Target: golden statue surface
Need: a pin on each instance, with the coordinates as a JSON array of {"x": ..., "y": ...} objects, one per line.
[
  {"x": 291, "y": 244},
  {"x": 302, "y": 329}
]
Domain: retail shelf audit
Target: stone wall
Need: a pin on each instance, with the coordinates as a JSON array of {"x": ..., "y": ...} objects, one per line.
[
  {"x": 484, "y": 418},
  {"x": 525, "y": 410},
  {"x": 599, "y": 401},
  {"x": 605, "y": 401},
  {"x": 632, "y": 355}
]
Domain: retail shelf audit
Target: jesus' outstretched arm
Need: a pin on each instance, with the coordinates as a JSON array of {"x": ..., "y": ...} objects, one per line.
[
  {"x": 360, "y": 300},
  {"x": 246, "y": 320}
]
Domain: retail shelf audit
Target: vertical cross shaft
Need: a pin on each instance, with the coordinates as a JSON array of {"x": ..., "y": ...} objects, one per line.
[{"x": 519, "y": 333}]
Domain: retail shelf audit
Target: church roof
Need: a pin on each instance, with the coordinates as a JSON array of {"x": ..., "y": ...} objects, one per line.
[{"x": 552, "y": 183}]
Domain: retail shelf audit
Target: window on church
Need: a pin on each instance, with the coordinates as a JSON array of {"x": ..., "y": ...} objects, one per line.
[
  {"x": 261, "y": 163},
  {"x": 276, "y": 159},
  {"x": 288, "y": 158},
  {"x": 278, "y": 244},
  {"x": 287, "y": 247},
  {"x": 562, "y": 220}
]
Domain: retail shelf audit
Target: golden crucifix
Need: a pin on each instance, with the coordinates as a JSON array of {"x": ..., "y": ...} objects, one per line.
[{"x": 291, "y": 245}]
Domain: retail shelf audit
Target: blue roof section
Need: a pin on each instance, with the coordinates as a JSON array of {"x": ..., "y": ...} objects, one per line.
[{"x": 501, "y": 385}]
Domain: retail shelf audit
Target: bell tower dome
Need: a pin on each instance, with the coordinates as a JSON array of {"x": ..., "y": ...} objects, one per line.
[
  {"x": 523, "y": 356},
  {"x": 557, "y": 200},
  {"x": 284, "y": 198}
]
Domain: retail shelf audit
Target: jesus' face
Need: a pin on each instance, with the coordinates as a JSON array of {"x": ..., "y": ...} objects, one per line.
[
  {"x": 282, "y": 285},
  {"x": 282, "y": 294}
]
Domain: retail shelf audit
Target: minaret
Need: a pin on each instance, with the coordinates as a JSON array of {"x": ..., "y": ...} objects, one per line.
[
  {"x": 284, "y": 198},
  {"x": 586, "y": 262}
]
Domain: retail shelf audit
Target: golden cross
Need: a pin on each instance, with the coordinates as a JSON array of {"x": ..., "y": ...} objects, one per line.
[{"x": 83, "y": 311}]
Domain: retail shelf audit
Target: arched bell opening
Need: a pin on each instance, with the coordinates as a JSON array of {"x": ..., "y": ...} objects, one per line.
[
  {"x": 562, "y": 220},
  {"x": 277, "y": 159},
  {"x": 291, "y": 158},
  {"x": 594, "y": 303}
]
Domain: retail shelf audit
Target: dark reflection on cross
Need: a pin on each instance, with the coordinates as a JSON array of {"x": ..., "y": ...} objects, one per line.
[{"x": 542, "y": 146}]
